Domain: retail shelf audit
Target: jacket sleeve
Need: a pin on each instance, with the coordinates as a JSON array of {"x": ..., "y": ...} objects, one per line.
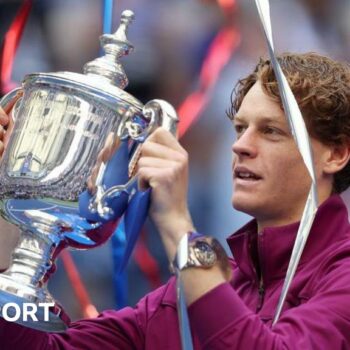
[
  {"x": 123, "y": 329},
  {"x": 323, "y": 322},
  {"x": 110, "y": 330}
]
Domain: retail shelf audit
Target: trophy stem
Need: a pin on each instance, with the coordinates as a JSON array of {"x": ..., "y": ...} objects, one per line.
[
  {"x": 32, "y": 258},
  {"x": 25, "y": 280}
]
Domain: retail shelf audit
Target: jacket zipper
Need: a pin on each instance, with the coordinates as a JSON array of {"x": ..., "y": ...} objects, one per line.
[
  {"x": 261, "y": 287},
  {"x": 259, "y": 279},
  {"x": 261, "y": 291}
]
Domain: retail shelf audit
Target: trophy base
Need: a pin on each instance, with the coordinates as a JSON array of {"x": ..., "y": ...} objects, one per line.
[{"x": 31, "y": 307}]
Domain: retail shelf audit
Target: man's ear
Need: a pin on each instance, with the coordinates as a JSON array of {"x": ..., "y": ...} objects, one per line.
[{"x": 337, "y": 158}]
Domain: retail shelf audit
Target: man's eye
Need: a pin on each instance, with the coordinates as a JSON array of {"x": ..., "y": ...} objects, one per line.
[
  {"x": 271, "y": 131},
  {"x": 239, "y": 128}
]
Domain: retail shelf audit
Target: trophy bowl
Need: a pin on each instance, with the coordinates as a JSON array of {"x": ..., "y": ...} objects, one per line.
[{"x": 68, "y": 171}]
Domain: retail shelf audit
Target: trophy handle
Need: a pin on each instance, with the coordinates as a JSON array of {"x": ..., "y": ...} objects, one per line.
[
  {"x": 9, "y": 101},
  {"x": 159, "y": 113}
]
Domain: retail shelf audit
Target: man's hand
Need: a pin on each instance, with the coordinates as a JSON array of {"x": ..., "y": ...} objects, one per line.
[
  {"x": 4, "y": 122},
  {"x": 9, "y": 234},
  {"x": 163, "y": 166}
]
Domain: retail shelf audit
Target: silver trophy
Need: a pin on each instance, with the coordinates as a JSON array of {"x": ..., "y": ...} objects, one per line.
[{"x": 68, "y": 129}]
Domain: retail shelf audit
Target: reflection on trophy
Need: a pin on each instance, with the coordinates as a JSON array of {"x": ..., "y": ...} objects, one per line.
[{"x": 68, "y": 172}]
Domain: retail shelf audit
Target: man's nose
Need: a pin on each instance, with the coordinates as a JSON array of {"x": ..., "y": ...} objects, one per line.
[{"x": 246, "y": 144}]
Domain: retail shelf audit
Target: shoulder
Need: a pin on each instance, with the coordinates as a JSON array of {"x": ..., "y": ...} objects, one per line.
[{"x": 331, "y": 269}]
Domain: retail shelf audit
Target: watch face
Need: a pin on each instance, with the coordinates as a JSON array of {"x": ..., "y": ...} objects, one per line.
[{"x": 204, "y": 253}]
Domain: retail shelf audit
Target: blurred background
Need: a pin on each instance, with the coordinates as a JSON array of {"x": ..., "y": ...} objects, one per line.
[{"x": 172, "y": 39}]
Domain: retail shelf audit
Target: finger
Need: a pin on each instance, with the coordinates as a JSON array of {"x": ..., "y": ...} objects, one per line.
[
  {"x": 149, "y": 176},
  {"x": 9, "y": 105},
  {"x": 1, "y": 148},
  {"x": 9, "y": 235},
  {"x": 8, "y": 132},
  {"x": 166, "y": 138},
  {"x": 4, "y": 118},
  {"x": 152, "y": 162},
  {"x": 2, "y": 132},
  {"x": 143, "y": 179},
  {"x": 154, "y": 149},
  {"x": 154, "y": 177}
]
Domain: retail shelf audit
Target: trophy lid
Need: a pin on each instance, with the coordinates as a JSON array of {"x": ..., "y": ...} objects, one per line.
[
  {"x": 115, "y": 46},
  {"x": 104, "y": 75}
]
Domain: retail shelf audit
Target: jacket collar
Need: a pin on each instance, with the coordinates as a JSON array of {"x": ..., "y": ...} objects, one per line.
[{"x": 275, "y": 244}]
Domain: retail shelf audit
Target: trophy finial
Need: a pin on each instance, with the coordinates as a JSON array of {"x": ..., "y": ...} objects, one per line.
[
  {"x": 125, "y": 20},
  {"x": 115, "y": 46}
]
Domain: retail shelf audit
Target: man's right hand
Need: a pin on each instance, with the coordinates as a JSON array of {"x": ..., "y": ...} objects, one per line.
[{"x": 9, "y": 234}]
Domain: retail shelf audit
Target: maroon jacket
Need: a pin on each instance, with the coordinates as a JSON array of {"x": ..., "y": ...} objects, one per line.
[{"x": 238, "y": 315}]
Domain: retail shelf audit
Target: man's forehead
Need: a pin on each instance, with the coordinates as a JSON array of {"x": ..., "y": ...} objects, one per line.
[
  {"x": 257, "y": 104},
  {"x": 258, "y": 117}
]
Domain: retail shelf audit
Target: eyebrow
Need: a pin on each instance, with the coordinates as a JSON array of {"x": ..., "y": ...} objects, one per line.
[{"x": 262, "y": 119}]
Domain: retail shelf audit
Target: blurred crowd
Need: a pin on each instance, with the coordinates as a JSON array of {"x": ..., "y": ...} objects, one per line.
[{"x": 171, "y": 38}]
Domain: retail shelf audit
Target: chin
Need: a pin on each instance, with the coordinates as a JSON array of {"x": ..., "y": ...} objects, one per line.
[{"x": 244, "y": 204}]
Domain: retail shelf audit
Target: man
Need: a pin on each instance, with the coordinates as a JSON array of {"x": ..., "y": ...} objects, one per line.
[{"x": 271, "y": 183}]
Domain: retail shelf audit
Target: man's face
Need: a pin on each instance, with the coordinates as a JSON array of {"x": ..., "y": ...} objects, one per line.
[{"x": 270, "y": 179}]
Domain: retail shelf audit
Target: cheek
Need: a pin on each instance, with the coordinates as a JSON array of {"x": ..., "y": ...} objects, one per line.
[
  {"x": 293, "y": 175},
  {"x": 289, "y": 169}
]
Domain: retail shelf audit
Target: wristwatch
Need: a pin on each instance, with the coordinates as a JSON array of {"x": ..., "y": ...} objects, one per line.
[{"x": 195, "y": 250}]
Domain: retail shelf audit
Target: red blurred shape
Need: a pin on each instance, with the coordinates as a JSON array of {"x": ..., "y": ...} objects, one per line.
[
  {"x": 10, "y": 45},
  {"x": 227, "y": 5},
  {"x": 88, "y": 309},
  {"x": 219, "y": 53}
]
